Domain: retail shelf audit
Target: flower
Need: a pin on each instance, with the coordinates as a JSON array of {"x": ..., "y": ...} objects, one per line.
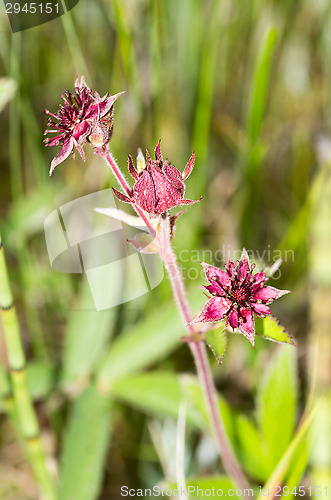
[
  {"x": 85, "y": 117},
  {"x": 159, "y": 186},
  {"x": 237, "y": 294}
]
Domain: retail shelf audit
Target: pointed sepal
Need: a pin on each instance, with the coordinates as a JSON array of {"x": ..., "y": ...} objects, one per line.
[
  {"x": 189, "y": 167},
  {"x": 158, "y": 154},
  {"x": 121, "y": 196},
  {"x": 131, "y": 168}
]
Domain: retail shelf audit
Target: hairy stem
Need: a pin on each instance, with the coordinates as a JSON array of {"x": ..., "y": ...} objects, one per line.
[
  {"x": 22, "y": 408},
  {"x": 198, "y": 350},
  {"x": 230, "y": 462}
]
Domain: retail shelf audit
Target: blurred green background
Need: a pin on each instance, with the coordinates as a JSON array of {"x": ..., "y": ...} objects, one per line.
[{"x": 246, "y": 85}]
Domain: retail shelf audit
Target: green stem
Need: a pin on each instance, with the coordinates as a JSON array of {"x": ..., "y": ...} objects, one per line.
[{"x": 23, "y": 407}]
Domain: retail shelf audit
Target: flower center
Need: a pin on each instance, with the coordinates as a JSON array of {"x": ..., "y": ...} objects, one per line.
[{"x": 240, "y": 295}]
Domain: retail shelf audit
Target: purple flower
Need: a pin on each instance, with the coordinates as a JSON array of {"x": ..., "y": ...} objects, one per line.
[
  {"x": 237, "y": 294},
  {"x": 159, "y": 186},
  {"x": 85, "y": 117}
]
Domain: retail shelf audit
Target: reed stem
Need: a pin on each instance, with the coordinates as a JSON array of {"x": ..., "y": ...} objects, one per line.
[{"x": 25, "y": 414}]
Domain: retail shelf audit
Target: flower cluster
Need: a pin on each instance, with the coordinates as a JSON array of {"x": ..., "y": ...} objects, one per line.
[
  {"x": 237, "y": 294},
  {"x": 159, "y": 186},
  {"x": 85, "y": 117}
]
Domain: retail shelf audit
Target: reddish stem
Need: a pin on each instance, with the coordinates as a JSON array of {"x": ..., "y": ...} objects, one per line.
[{"x": 198, "y": 350}]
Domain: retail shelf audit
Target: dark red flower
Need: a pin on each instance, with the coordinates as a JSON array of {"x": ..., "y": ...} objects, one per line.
[
  {"x": 159, "y": 186},
  {"x": 237, "y": 294},
  {"x": 85, "y": 117}
]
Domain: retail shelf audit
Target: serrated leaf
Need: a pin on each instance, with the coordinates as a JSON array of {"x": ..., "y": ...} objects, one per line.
[
  {"x": 270, "y": 329},
  {"x": 277, "y": 404},
  {"x": 85, "y": 446},
  {"x": 217, "y": 342}
]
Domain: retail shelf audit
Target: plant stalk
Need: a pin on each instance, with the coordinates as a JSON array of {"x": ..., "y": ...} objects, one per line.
[
  {"x": 25, "y": 414},
  {"x": 198, "y": 350}
]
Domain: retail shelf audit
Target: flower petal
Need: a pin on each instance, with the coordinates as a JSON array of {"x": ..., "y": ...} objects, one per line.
[
  {"x": 63, "y": 154},
  {"x": 82, "y": 129},
  {"x": 144, "y": 192},
  {"x": 230, "y": 269},
  {"x": 214, "y": 310},
  {"x": 242, "y": 268},
  {"x": 215, "y": 274},
  {"x": 233, "y": 319},
  {"x": 259, "y": 278},
  {"x": 247, "y": 326},
  {"x": 268, "y": 294},
  {"x": 79, "y": 149},
  {"x": 261, "y": 309},
  {"x": 174, "y": 177},
  {"x": 215, "y": 289},
  {"x": 166, "y": 194}
]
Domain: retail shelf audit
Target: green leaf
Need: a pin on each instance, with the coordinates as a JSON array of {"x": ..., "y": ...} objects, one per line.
[
  {"x": 87, "y": 334},
  {"x": 217, "y": 342},
  {"x": 297, "y": 467},
  {"x": 251, "y": 449},
  {"x": 270, "y": 329},
  {"x": 148, "y": 342},
  {"x": 156, "y": 393},
  {"x": 85, "y": 446},
  {"x": 283, "y": 466},
  {"x": 41, "y": 378},
  {"x": 277, "y": 404},
  {"x": 161, "y": 393}
]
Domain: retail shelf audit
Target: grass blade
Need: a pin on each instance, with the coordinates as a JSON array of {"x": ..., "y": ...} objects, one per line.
[{"x": 85, "y": 447}]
